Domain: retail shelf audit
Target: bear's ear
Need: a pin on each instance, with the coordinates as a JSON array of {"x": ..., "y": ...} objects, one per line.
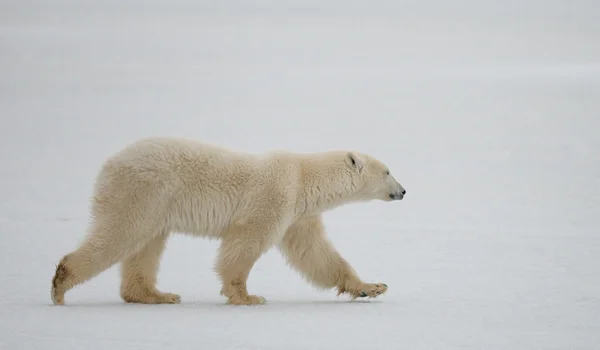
[{"x": 355, "y": 161}]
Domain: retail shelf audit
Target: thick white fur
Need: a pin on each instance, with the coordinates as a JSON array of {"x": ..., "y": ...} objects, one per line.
[{"x": 250, "y": 202}]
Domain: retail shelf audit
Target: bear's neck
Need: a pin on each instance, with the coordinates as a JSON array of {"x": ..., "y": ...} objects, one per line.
[{"x": 323, "y": 186}]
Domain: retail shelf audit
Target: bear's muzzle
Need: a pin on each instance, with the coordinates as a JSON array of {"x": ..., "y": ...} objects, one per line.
[{"x": 398, "y": 195}]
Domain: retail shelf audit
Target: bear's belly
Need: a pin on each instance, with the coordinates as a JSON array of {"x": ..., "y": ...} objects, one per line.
[{"x": 200, "y": 217}]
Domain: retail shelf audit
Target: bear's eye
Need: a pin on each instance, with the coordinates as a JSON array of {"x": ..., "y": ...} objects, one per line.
[{"x": 387, "y": 172}]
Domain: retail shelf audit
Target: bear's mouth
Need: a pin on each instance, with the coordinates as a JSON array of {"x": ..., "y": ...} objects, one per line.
[{"x": 396, "y": 196}]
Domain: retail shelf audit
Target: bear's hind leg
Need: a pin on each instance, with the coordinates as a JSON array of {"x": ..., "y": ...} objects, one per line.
[
  {"x": 102, "y": 248},
  {"x": 139, "y": 272},
  {"x": 235, "y": 259}
]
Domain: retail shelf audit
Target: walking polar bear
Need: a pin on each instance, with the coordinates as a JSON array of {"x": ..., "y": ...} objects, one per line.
[{"x": 249, "y": 202}]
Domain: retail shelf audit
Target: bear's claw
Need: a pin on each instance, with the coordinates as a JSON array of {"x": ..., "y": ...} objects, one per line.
[{"x": 364, "y": 290}]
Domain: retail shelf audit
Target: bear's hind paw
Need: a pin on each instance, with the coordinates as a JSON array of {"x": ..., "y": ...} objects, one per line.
[
  {"x": 58, "y": 298},
  {"x": 155, "y": 298},
  {"x": 247, "y": 300}
]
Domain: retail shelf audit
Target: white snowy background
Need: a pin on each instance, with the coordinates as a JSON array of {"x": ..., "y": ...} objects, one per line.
[{"x": 488, "y": 112}]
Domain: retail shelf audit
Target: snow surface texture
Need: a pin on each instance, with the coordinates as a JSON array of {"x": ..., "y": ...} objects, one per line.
[{"x": 487, "y": 112}]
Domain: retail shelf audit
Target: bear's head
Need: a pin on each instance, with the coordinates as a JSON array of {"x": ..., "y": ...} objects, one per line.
[{"x": 372, "y": 179}]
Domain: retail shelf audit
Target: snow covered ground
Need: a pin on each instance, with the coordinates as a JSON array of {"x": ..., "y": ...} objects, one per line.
[{"x": 487, "y": 112}]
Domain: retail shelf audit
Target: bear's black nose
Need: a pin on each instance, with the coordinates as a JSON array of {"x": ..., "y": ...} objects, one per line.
[{"x": 403, "y": 192}]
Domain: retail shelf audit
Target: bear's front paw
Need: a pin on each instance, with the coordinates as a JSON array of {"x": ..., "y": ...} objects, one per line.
[{"x": 363, "y": 290}]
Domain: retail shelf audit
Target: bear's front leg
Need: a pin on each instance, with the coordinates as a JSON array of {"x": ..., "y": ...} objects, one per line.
[
  {"x": 308, "y": 250},
  {"x": 236, "y": 257}
]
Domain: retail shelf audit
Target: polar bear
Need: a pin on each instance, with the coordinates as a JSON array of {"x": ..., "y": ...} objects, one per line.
[{"x": 250, "y": 202}]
